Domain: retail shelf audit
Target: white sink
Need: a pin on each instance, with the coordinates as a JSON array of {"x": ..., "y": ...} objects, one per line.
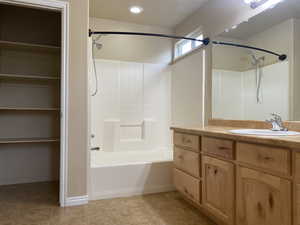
[{"x": 263, "y": 132}]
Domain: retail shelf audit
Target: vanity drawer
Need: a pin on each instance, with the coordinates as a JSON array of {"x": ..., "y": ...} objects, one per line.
[
  {"x": 187, "y": 185},
  {"x": 271, "y": 158},
  {"x": 187, "y": 161},
  {"x": 218, "y": 147},
  {"x": 187, "y": 140}
]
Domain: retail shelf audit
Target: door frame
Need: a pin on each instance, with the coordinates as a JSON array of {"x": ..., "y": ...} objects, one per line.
[{"x": 62, "y": 7}]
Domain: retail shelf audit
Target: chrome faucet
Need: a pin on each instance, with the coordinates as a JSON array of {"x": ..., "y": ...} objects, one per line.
[{"x": 277, "y": 124}]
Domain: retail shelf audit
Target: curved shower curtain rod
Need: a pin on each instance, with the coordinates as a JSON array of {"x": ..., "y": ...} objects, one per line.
[{"x": 205, "y": 41}]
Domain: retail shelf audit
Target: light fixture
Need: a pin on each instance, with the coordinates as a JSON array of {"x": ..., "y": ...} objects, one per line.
[
  {"x": 265, "y": 3},
  {"x": 136, "y": 9}
]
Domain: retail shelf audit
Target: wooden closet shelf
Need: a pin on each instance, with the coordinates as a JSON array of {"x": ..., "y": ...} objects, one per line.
[
  {"x": 27, "y": 140},
  {"x": 27, "y": 109},
  {"x": 28, "y": 77},
  {"x": 29, "y": 46}
]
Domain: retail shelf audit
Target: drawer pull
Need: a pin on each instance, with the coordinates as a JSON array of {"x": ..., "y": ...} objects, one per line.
[
  {"x": 267, "y": 158},
  {"x": 181, "y": 157},
  {"x": 186, "y": 140},
  {"x": 223, "y": 148},
  {"x": 271, "y": 200},
  {"x": 264, "y": 158},
  {"x": 187, "y": 193}
]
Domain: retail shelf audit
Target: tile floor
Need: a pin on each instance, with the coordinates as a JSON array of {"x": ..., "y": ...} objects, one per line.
[{"x": 36, "y": 204}]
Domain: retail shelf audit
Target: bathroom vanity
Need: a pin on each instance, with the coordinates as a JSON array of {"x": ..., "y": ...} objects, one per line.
[{"x": 239, "y": 179}]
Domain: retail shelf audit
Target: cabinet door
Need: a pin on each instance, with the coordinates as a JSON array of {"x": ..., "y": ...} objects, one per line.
[
  {"x": 187, "y": 185},
  {"x": 262, "y": 199},
  {"x": 218, "y": 188}
]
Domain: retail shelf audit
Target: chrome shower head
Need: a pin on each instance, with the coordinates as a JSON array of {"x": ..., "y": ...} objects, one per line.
[
  {"x": 96, "y": 43},
  {"x": 255, "y": 60}
]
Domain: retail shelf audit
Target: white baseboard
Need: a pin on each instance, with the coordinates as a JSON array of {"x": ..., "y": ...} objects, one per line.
[
  {"x": 130, "y": 192},
  {"x": 78, "y": 200}
]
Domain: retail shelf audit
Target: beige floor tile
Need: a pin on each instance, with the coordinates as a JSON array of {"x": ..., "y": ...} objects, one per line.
[{"x": 37, "y": 204}]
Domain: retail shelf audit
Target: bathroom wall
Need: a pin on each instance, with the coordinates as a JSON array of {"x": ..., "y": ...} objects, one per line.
[
  {"x": 131, "y": 111},
  {"x": 238, "y": 59},
  {"x": 78, "y": 99},
  {"x": 188, "y": 91},
  {"x": 234, "y": 93},
  {"x": 295, "y": 82},
  {"x": 227, "y": 96},
  {"x": 132, "y": 48}
]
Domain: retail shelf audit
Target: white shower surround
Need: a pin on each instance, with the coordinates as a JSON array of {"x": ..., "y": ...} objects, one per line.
[
  {"x": 234, "y": 93},
  {"x": 131, "y": 112},
  {"x": 130, "y": 120}
]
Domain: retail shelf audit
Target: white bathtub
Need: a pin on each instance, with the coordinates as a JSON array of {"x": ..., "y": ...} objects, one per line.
[{"x": 122, "y": 174}]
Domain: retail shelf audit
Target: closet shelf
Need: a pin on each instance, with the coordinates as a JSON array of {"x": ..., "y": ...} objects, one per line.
[
  {"x": 27, "y": 140},
  {"x": 29, "y": 46},
  {"x": 28, "y": 77},
  {"x": 28, "y": 109}
]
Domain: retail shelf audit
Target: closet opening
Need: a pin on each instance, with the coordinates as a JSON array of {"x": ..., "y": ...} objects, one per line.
[{"x": 30, "y": 104}]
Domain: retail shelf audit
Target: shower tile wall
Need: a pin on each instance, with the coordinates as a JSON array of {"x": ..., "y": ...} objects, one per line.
[
  {"x": 234, "y": 93},
  {"x": 131, "y": 111}
]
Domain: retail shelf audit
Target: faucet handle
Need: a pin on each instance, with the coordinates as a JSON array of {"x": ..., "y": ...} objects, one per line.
[
  {"x": 276, "y": 117},
  {"x": 276, "y": 122}
]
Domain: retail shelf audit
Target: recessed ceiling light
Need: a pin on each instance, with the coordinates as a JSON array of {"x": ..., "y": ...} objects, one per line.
[{"x": 136, "y": 9}]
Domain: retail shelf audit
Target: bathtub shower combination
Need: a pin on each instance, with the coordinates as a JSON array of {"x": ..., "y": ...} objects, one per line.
[{"x": 130, "y": 120}]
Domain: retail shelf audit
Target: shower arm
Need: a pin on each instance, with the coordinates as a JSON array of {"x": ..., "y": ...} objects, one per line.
[{"x": 205, "y": 41}]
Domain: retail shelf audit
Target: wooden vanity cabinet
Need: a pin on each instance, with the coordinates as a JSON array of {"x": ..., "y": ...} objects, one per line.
[
  {"x": 187, "y": 185},
  {"x": 238, "y": 183},
  {"x": 218, "y": 188},
  {"x": 297, "y": 190},
  {"x": 262, "y": 198}
]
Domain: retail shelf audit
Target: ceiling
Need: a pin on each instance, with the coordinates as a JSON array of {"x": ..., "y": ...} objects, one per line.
[
  {"x": 165, "y": 13},
  {"x": 282, "y": 12}
]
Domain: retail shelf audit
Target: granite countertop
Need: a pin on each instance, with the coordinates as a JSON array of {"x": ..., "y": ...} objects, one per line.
[{"x": 292, "y": 142}]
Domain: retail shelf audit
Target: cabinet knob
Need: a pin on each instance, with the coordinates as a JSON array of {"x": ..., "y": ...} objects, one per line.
[
  {"x": 271, "y": 200},
  {"x": 216, "y": 171},
  {"x": 223, "y": 148}
]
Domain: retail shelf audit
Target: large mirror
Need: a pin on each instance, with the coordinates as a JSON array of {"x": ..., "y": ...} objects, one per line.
[{"x": 249, "y": 84}]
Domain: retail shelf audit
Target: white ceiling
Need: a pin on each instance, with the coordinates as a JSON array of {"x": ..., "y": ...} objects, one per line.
[
  {"x": 282, "y": 12},
  {"x": 165, "y": 13}
]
